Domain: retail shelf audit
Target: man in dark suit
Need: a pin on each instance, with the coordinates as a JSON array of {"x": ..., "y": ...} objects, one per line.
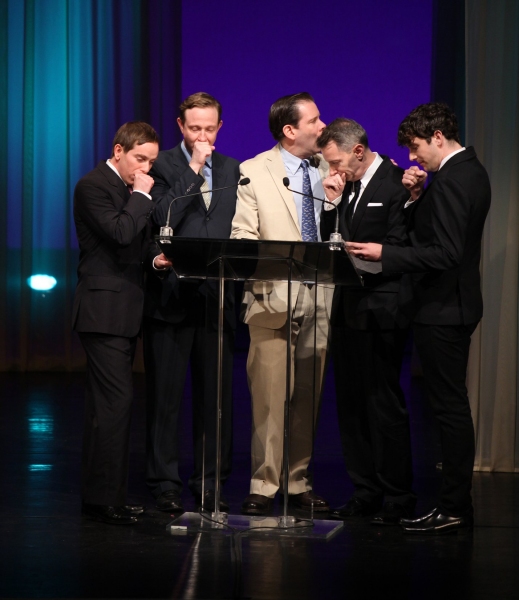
[
  {"x": 111, "y": 209},
  {"x": 181, "y": 317},
  {"x": 445, "y": 225},
  {"x": 368, "y": 330}
]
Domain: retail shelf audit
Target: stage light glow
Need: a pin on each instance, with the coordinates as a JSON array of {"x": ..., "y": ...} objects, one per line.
[{"x": 42, "y": 283}]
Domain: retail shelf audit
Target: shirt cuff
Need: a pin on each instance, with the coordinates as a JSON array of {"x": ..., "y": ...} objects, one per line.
[
  {"x": 143, "y": 193},
  {"x": 335, "y": 202}
]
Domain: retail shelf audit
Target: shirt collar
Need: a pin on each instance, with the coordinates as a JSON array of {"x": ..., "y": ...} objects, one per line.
[
  {"x": 208, "y": 161},
  {"x": 366, "y": 178},
  {"x": 449, "y": 156},
  {"x": 291, "y": 162},
  {"x": 109, "y": 163}
]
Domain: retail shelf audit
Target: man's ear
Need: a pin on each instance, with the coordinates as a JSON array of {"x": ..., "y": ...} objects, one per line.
[
  {"x": 438, "y": 138},
  {"x": 288, "y": 132},
  {"x": 358, "y": 150}
]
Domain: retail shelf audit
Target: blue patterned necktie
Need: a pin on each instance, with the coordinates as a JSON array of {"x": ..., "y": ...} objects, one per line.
[{"x": 308, "y": 226}]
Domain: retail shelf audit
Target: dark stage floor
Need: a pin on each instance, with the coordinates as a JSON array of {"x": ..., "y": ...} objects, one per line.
[{"x": 47, "y": 550}]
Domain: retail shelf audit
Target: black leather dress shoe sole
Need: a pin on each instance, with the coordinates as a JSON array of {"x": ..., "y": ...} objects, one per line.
[
  {"x": 391, "y": 514},
  {"x": 169, "y": 501},
  {"x": 305, "y": 501},
  {"x": 256, "y": 505},
  {"x": 133, "y": 510},
  {"x": 437, "y": 523},
  {"x": 107, "y": 514},
  {"x": 355, "y": 508}
]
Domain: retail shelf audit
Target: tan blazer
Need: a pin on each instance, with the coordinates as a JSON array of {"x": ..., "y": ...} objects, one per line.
[{"x": 266, "y": 211}]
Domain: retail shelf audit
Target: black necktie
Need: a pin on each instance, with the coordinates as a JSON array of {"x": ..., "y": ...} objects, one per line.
[{"x": 351, "y": 205}]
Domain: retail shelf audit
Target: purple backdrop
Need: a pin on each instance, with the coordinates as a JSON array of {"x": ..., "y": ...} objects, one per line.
[{"x": 369, "y": 61}]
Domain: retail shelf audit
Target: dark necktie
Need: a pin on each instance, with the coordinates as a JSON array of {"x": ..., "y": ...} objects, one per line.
[
  {"x": 351, "y": 206},
  {"x": 308, "y": 225}
]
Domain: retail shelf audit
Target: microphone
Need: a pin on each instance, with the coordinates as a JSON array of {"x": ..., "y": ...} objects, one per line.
[
  {"x": 167, "y": 231},
  {"x": 335, "y": 240}
]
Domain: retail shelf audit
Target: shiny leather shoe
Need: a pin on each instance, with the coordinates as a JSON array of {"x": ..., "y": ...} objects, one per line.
[
  {"x": 391, "y": 514},
  {"x": 169, "y": 501},
  {"x": 256, "y": 504},
  {"x": 107, "y": 514},
  {"x": 209, "y": 501},
  {"x": 133, "y": 510},
  {"x": 305, "y": 500},
  {"x": 354, "y": 508},
  {"x": 436, "y": 523}
]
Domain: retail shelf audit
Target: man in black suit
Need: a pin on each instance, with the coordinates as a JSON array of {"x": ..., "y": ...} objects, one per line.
[
  {"x": 445, "y": 225},
  {"x": 368, "y": 330},
  {"x": 111, "y": 209},
  {"x": 181, "y": 317}
]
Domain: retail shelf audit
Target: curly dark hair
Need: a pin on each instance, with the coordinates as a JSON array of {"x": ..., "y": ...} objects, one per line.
[
  {"x": 424, "y": 120},
  {"x": 285, "y": 111}
]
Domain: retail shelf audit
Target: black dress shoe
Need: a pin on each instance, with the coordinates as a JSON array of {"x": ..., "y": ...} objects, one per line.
[
  {"x": 107, "y": 514},
  {"x": 133, "y": 510},
  {"x": 355, "y": 507},
  {"x": 209, "y": 501},
  {"x": 391, "y": 514},
  {"x": 436, "y": 523},
  {"x": 305, "y": 500},
  {"x": 169, "y": 501},
  {"x": 256, "y": 504}
]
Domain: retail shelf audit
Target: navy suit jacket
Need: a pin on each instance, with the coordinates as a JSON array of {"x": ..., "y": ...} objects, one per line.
[
  {"x": 445, "y": 226},
  {"x": 113, "y": 230},
  {"x": 379, "y": 217},
  {"x": 170, "y": 299}
]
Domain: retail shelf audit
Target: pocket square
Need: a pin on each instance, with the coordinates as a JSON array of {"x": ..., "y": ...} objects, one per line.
[{"x": 375, "y": 204}]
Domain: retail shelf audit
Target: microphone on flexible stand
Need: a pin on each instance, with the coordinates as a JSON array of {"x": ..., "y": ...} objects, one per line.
[
  {"x": 335, "y": 240},
  {"x": 166, "y": 232}
]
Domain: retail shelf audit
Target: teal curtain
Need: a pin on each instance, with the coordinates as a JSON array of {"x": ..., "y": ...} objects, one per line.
[{"x": 71, "y": 73}]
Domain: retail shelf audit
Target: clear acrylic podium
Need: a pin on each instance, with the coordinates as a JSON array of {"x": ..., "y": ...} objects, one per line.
[{"x": 257, "y": 260}]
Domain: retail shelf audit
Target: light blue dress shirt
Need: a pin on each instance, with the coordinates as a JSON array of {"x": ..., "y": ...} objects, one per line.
[{"x": 295, "y": 175}]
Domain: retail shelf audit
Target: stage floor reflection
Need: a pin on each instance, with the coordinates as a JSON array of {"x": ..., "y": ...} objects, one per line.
[{"x": 47, "y": 550}]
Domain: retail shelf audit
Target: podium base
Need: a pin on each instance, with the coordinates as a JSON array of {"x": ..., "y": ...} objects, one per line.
[{"x": 191, "y": 522}]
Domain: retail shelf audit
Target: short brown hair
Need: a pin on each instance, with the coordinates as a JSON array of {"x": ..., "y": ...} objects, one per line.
[
  {"x": 346, "y": 133},
  {"x": 285, "y": 111},
  {"x": 199, "y": 100},
  {"x": 134, "y": 133}
]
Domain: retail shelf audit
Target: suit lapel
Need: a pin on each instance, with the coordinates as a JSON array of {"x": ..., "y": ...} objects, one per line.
[
  {"x": 122, "y": 192},
  {"x": 276, "y": 169},
  {"x": 374, "y": 183}
]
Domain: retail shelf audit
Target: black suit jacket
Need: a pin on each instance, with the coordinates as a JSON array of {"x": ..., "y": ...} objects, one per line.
[
  {"x": 112, "y": 230},
  {"x": 170, "y": 300},
  {"x": 445, "y": 226},
  {"x": 379, "y": 217}
]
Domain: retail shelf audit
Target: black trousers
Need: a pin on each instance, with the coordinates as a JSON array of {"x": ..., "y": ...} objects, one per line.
[
  {"x": 444, "y": 353},
  {"x": 168, "y": 349},
  {"x": 109, "y": 397},
  {"x": 373, "y": 418}
]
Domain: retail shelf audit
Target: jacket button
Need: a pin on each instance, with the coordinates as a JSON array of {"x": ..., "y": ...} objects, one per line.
[{"x": 208, "y": 218}]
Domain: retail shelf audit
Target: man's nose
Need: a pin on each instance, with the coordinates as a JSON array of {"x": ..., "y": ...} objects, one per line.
[
  {"x": 412, "y": 156},
  {"x": 202, "y": 136}
]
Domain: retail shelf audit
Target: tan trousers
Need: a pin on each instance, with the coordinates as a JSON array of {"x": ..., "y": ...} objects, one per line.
[{"x": 266, "y": 371}]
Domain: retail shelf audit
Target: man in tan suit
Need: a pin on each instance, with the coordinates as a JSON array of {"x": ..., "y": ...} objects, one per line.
[{"x": 267, "y": 210}]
